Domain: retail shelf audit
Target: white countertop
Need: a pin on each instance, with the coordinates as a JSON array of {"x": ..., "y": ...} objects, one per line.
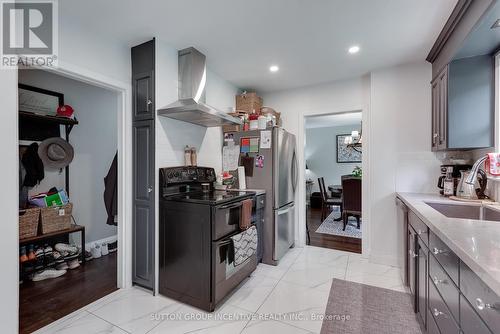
[{"x": 476, "y": 242}]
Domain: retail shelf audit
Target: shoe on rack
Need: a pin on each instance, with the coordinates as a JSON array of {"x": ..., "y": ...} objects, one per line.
[
  {"x": 88, "y": 256},
  {"x": 96, "y": 251},
  {"x": 60, "y": 247},
  {"x": 104, "y": 249},
  {"x": 113, "y": 246},
  {"x": 47, "y": 273},
  {"x": 31, "y": 253},
  {"x": 58, "y": 257},
  {"x": 40, "y": 258},
  {"x": 73, "y": 264},
  {"x": 23, "y": 257},
  {"x": 49, "y": 256},
  {"x": 62, "y": 266}
]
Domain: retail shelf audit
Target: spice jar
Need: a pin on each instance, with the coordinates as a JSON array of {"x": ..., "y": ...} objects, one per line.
[
  {"x": 187, "y": 156},
  {"x": 194, "y": 157}
]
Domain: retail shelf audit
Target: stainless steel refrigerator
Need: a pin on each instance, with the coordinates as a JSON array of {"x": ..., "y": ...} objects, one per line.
[{"x": 277, "y": 174}]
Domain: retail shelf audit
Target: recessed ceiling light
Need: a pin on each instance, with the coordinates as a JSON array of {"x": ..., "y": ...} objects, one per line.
[
  {"x": 354, "y": 49},
  {"x": 496, "y": 24},
  {"x": 274, "y": 68}
]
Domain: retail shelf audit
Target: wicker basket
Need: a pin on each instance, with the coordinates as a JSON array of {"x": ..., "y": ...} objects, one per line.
[
  {"x": 28, "y": 222},
  {"x": 249, "y": 102},
  {"x": 56, "y": 218}
]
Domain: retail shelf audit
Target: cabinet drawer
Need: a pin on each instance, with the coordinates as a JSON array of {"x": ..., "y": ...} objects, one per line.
[
  {"x": 440, "y": 312},
  {"x": 470, "y": 322},
  {"x": 481, "y": 297},
  {"x": 419, "y": 226},
  {"x": 445, "y": 286},
  {"x": 432, "y": 327},
  {"x": 448, "y": 260}
]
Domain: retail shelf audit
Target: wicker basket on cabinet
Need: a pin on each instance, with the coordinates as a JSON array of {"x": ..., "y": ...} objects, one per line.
[
  {"x": 28, "y": 222},
  {"x": 56, "y": 218}
]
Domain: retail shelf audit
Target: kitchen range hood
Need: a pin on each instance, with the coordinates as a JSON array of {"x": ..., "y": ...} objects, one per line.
[{"x": 191, "y": 105}]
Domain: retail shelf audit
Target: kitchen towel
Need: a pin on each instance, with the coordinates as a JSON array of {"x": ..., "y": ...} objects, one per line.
[
  {"x": 246, "y": 214},
  {"x": 245, "y": 245}
]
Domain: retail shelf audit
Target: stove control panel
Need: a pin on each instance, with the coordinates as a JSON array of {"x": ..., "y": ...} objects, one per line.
[{"x": 185, "y": 175}]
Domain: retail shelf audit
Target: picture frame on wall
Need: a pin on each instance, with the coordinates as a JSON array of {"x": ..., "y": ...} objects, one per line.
[
  {"x": 345, "y": 154},
  {"x": 39, "y": 101}
]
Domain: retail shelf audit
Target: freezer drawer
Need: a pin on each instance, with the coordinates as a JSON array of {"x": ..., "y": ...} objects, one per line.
[{"x": 283, "y": 230}]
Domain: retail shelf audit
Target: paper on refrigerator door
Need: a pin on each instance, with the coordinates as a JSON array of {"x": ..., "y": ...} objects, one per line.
[
  {"x": 230, "y": 156},
  {"x": 265, "y": 139}
]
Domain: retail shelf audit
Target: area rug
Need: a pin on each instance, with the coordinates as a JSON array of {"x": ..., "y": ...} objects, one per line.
[
  {"x": 330, "y": 226},
  {"x": 357, "y": 309}
]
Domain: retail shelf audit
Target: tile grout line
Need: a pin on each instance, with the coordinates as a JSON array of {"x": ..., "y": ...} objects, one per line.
[
  {"x": 274, "y": 287},
  {"x": 112, "y": 324}
]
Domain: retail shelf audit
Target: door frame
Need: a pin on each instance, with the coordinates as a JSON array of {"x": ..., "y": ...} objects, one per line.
[
  {"x": 124, "y": 140},
  {"x": 366, "y": 185}
]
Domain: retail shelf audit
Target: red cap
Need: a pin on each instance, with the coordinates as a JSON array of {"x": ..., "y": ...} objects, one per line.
[{"x": 65, "y": 111}]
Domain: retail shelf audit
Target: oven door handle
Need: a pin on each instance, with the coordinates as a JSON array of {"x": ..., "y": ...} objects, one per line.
[{"x": 230, "y": 206}]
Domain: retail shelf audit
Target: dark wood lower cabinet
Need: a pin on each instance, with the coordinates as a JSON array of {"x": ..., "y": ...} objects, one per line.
[
  {"x": 443, "y": 303},
  {"x": 422, "y": 287}
]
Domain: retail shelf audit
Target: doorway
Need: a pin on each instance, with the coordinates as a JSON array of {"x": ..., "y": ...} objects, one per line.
[
  {"x": 333, "y": 172},
  {"x": 69, "y": 254}
]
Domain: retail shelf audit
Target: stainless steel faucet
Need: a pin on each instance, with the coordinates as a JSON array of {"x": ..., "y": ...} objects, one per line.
[{"x": 471, "y": 179}]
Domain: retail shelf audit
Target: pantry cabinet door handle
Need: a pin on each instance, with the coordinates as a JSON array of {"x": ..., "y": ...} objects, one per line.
[
  {"x": 437, "y": 313},
  {"x": 481, "y": 305},
  {"x": 438, "y": 281},
  {"x": 437, "y": 251}
]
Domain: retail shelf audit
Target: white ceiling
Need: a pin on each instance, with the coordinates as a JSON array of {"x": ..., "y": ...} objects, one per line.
[
  {"x": 327, "y": 121},
  {"x": 308, "y": 40}
]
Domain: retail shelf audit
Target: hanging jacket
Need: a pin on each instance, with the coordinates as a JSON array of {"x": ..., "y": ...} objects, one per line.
[
  {"x": 111, "y": 192},
  {"x": 33, "y": 166}
]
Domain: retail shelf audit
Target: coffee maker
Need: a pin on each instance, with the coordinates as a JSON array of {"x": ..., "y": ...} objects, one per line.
[{"x": 455, "y": 171}]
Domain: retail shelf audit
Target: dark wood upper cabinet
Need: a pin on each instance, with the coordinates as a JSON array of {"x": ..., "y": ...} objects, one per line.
[
  {"x": 143, "y": 81},
  {"x": 463, "y": 67}
]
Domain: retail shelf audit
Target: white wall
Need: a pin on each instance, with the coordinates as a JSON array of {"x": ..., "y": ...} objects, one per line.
[
  {"x": 9, "y": 171},
  {"x": 321, "y": 154},
  {"x": 400, "y": 146},
  {"x": 397, "y": 157},
  {"x": 94, "y": 141}
]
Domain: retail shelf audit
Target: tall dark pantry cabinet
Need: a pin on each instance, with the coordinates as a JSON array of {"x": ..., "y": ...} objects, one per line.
[{"x": 143, "y": 138}]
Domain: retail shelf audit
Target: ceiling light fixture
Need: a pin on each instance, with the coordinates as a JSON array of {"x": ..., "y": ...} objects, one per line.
[
  {"x": 354, "y": 49},
  {"x": 274, "y": 68}
]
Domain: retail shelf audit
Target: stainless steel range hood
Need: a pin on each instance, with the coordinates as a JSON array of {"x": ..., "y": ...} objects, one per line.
[{"x": 191, "y": 105}]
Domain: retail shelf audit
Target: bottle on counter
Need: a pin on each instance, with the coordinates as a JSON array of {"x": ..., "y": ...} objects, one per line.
[
  {"x": 194, "y": 157},
  {"x": 187, "y": 156},
  {"x": 449, "y": 184}
]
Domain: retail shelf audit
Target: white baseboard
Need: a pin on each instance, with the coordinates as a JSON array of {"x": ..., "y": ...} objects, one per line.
[{"x": 107, "y": 240}]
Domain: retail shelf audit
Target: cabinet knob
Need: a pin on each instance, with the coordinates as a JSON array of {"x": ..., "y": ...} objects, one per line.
[
  {"x": 150, "y": 189},
  {"x": 437, "y": 313},
  {"x": 420, "y": 232},
  {"x": 438, "y": 281},
  {"x": 412, "y": 253},
  {"x": 481, "y": 305},
  {"x": 437, "y": 251}
]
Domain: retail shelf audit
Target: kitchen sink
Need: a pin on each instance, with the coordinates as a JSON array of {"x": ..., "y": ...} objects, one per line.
[{"x": 466, "y": 211}]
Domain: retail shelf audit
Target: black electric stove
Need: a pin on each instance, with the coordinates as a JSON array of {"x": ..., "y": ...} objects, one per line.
[
  {"x": 196, "y": 185},
  {"x": 196, "y": 226}
]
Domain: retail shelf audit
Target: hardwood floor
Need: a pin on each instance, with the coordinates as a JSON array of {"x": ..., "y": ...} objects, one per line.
[
  {"x": 41, "y": 303},
  {"x": 327, "y": 240}
]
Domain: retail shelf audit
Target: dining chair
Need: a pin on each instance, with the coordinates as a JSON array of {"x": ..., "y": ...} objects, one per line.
[
  {"x": 327, "y": 202},
  {"x": 351, "y": 199}
]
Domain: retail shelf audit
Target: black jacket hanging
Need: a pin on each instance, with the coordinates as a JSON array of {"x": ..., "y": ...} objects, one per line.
[
  {"x": 33, "y": 166},
  {"x": 111, "y": 192}
]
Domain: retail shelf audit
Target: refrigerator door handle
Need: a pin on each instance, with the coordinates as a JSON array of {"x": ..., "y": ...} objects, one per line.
[
  {"x": 285, "y": 209},
  {"x": 294, "y": 172}
]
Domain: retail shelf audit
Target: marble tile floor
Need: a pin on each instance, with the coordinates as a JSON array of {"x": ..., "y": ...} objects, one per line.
[{"x": 288, "y": 298}]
